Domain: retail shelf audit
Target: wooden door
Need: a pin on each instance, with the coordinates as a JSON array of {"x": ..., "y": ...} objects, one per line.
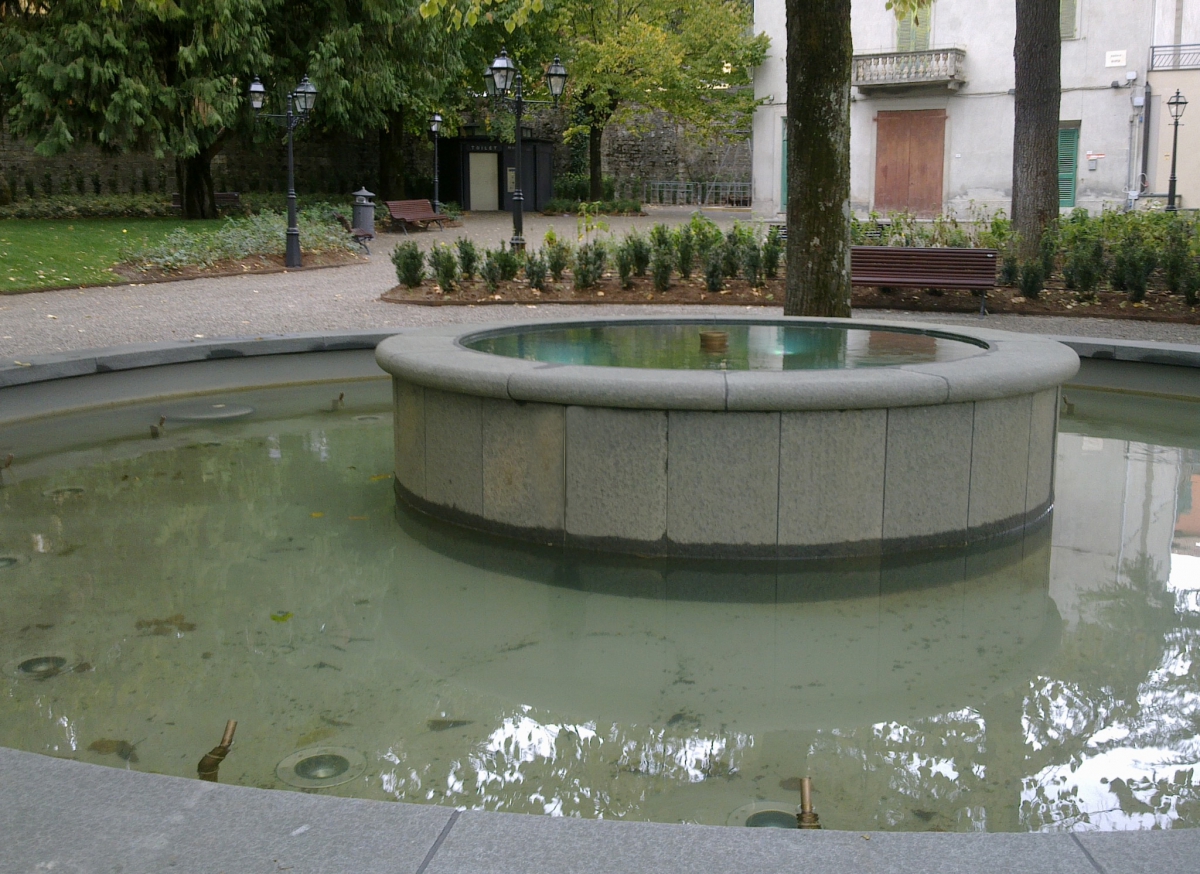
[
  {"x": 484, "y": 170},
  {"x": 909, "y": 156}
]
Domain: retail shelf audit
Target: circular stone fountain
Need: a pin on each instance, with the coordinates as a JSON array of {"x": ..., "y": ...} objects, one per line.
[{"x": 787, "y": 438}]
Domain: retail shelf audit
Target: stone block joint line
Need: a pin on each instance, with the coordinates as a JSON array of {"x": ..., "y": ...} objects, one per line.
[
  {"x": 437, "y": 845},
  {"x": 1099, "y": 868}
]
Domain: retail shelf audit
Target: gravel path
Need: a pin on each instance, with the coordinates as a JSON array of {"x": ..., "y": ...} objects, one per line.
[{"x": 348, "y": 297}]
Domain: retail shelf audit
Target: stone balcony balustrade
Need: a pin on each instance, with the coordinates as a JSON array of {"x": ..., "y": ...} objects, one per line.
[{"x": 943, "y": 68}]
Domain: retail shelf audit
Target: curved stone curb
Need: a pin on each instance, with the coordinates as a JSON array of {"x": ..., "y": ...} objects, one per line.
[
  {"x": 71, "y": 816},
  {"x": 86, "y": 362},
  {"x": 62, "y": 365}
]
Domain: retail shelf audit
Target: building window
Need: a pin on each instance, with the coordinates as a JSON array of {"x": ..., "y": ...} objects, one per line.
[
  {"x": 1067, "y": 15},
  {"x": 1068, "y": 164},
  {"x": 913, "y": 36}
]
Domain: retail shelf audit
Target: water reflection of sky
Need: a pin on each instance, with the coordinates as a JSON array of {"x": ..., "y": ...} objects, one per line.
[{"x": 748, "y": 347}]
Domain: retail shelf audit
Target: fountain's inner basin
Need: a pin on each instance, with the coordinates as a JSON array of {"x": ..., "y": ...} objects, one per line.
[
  {"x": 256, "y": 569},
  {"x": 673, "y": 346}
]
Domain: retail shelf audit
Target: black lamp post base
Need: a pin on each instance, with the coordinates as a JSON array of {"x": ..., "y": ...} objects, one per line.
[{"x": 291, "y": 257}]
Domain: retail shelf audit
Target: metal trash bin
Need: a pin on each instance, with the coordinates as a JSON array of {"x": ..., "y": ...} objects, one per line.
[{"x": 364, "y": 211}]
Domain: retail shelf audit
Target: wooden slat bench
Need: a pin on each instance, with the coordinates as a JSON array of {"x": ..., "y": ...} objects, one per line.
[
  {"x": 414, "y": 212},
  {"x": 226, "y": 200},
  {"x": 903, "y": 267},
  {"x": 359, "y": 235}
]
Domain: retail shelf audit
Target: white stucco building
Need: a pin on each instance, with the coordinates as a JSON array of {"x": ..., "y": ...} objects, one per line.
[{"x": 932, "y": 105}]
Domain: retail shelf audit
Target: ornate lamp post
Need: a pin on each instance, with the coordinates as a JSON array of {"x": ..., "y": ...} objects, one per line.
[
  {"x": 1177, "y": 104},
  {"x": 503, "y": 77},
  {"x": 299, "y": 105},
  {"x": 435, "y": 125}
]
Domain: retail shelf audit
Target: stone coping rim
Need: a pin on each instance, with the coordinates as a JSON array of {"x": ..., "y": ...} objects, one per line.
[{"x": 1013, "y": 364}]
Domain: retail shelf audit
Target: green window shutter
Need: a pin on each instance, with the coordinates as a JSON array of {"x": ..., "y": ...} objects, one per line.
[
  {"x": 783, "y": 192},
  {"x": 1068, "y": 164},
  {"x": 913, "y": 37},
  {"x": 1066, "y": 19}
]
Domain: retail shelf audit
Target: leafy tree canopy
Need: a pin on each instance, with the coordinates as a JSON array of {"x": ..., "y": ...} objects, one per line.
[
  {"x": 692, "y": 60},
  {"x": 148, "y": 74}
]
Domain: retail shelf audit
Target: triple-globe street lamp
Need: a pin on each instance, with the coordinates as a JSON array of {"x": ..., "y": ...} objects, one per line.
[
  {"x": 299, "y": 104},
  {"x": 503, "y": 77},
  {"x": 1177, "y": 104}
]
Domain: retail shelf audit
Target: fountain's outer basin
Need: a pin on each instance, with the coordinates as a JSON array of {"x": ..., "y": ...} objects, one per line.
[{"x": 728, "y": 463}]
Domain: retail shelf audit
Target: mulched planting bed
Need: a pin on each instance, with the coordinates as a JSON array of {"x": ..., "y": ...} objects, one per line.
[
  {"x": 247, "y": 266},
  {"x": 608, "y": 290},
  {"x": 1055, "y": 300}
]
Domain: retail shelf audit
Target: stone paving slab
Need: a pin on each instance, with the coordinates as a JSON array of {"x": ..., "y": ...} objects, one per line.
[
  {"x": 491, "y": 843},
  {"x": 58, "y": 815},
  {"x": 1148, "y": 851},
  {"x": 75, "y": 817}
]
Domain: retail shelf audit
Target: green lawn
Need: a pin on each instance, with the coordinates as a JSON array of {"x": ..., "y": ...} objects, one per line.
[{"x": 39, "y": 253}]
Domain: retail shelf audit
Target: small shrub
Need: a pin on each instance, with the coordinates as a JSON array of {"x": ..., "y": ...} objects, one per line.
[
  {"x": 661, "y": 264},
  {"x": 589, "y": 265},
  {"x": 639, "y": 246},
  {"x": 1010, "y": 269},
  {"x": 509, "y": 261},
  {"x": 444, "y": 266},
  {"x": 535, "y": 270},
  {"x": 1048, "y": 249},
  {"x": 706, "y": 235},
  {"x": 1178, "y": 263},
  {"x": 752, "y": 264},
  {"x": 468, "y": 257},
  {"x": 410, "y": 263},
  {"x": 624, "y": 256},
  {"x": 558, "y": 255},
  {"x": 451, "y": 209},
  {"x": 685, "y": 250},
  {"x": 772, "y": 252},
  {"x": 660, "y": 236},
  {"x": 1031, "y": 279},
  {"x": 714, "y": 271},
  {"x": 731, "y": 253},
  {"x": 1133, "y": 262},
  {"x": 1083, "y": 257},
  {"x": 490, "y": 271}
]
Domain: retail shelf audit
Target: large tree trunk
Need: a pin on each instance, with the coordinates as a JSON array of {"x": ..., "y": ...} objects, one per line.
[
  {"x": 595, "y": 177},
  {"x": 193, "y": 178},
  {"x": 819, "y": 54},
  {"x": 391, "y": 158},
  {"x": 1037, "y": 53},
  {"x": 600, "y": 112}
]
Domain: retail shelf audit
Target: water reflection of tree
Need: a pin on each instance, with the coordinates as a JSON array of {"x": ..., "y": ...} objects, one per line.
[{"x": 1124, "y": 679}]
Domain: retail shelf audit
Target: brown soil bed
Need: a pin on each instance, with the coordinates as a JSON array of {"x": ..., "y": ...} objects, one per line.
[
  {"x": 248, "y": 266},
  {"x": 1159, "y": 306}
]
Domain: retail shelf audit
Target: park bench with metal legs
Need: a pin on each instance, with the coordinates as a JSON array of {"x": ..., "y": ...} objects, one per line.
[
  {"x": 359, "y": 235},
  {"x": 414, "y": 212},
  {"x": 904, "y": 267}
]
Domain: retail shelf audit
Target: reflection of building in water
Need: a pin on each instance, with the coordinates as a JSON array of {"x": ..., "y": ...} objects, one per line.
[
  {"x": 1187, "y": 522},
  {"x": 1115, "y": 509}
]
